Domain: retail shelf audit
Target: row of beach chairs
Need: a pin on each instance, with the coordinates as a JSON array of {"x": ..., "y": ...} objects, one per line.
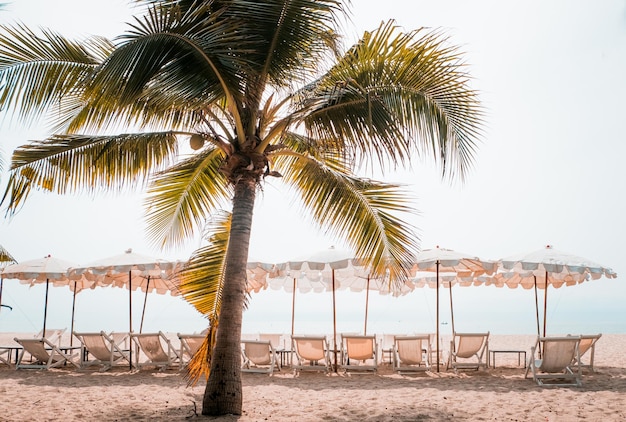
[
  {"x": 107, "y": 350},
  {"x": 555, "y": 361}
]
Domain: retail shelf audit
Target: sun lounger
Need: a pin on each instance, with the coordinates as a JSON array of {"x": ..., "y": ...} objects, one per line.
[
  {"x": 411, "y": 353},
  {"x": 259, "y": 356},
  {"x": 54, "y": 335},
  {"x": 359, "y": 353},
  {"x": 587, "y": 347},
  {"x": 469, "y": 351},
  {"x": 44, "y": 354},
  {"x": 557, "y": 355},
  {"x": 311, "y": 353},
  {"x": 189, "y": 345},
  {"x": 157, "y": 348},
  {"x": 101, "y": 349}
]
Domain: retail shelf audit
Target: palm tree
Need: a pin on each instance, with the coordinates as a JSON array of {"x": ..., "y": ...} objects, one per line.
[{"x": 261, "y": 89}]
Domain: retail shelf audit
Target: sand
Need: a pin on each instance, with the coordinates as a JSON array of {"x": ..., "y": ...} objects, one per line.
[{"x": 497, "y": 394}]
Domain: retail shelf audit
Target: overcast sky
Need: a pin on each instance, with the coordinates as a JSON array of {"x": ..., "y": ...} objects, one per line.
[{"x": 549, "y": 169}]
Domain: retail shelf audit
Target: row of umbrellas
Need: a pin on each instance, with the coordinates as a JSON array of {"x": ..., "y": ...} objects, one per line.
[
  {"x": 328, "y": 270},
  {"x": 333, "y": 270},
  {"x": 128, "y": 270}
]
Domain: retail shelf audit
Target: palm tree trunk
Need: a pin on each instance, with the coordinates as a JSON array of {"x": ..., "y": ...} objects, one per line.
[{"x": 223, "y": 394}]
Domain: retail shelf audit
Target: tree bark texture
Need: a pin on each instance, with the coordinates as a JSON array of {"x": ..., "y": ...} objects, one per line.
[{"x": 223, "y": 394}]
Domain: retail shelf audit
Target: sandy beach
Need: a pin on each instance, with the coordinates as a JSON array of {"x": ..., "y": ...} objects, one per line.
[{"x": 497, "y": 394}]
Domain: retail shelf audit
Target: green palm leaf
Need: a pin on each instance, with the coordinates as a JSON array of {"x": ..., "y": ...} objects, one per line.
[
  {"x": 70, "y": 163},
  {"x": 180, "y": 196}
]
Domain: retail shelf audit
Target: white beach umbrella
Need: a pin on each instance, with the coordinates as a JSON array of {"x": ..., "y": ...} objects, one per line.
[
  {"x": 449, "y": 268},
  {"x": 547, "y": 267},
  {"x": 46, "y": 270},
  {"x": 328, "y": 270},
  {"x": 132, "y": 271}
]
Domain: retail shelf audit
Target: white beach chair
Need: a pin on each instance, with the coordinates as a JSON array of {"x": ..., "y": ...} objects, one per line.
[
  {"x": 587, "y": 347},
  {"x": 311, "y": 353},
  {"x": 411, "y": 353},
  {"x": 189, "y": 345},
  {"x": 259, "y": 356},
  {"x": 157, "y": 348},
  {"x": 359, "y": 353},
  {"x": 557, "y": 356},
  {"x": 45, "y": 355},
  {"x": 469, "y": 351},
  {"x": 101, "y": 349}
]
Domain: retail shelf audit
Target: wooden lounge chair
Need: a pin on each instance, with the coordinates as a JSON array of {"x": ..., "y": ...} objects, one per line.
[
  {"x": 359, "y": 353},
  {"x": 189, "y": 345},
  {"x": 259, "y": 356},
  {"x": 587, "y": 346},
  {"x": 157, "y": 348},
  {"x": 54, "y": 335},
  {"x": 411, "y": 353},
  {"x": 555, "y": 364},
  {"x": 44, "y": 354},
  {"x": 101, "y": 349},
  {"x": 311, "y": 353},
  {"x": 469, "y": 351}
]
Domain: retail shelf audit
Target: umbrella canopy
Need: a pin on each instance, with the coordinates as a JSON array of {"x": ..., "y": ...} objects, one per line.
[
  {"x": 132, "y": 271},
  {"x": 547, "y": 267},
  {"x": 328, "y": 270},
  {"x": 450, "y": 267},
  {"x": 45, "y": 270}
]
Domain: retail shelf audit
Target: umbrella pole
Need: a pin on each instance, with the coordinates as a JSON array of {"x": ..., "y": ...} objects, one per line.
[
  {"x": 73, "y": 308},
  {"x": 437, "y": 328},
  {"x": 45, "y": 308},
  {"x": 293, "y": 306},
  {"x": 537, "y": 312},
  {"x": 293, "y": 313},
  {"x": 334, "y": 321},
  {"x": 143, "y": 312},
  {"x": 130, "y": 319},
  {"x": 1, "y": 285},
  {"x": 451, "y": 309},
  {"x": 545, "y": 305},
  {"x": 367, "y": 298}
]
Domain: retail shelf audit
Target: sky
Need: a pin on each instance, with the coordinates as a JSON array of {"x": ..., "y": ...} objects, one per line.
[{"x": 548, "y": 170}]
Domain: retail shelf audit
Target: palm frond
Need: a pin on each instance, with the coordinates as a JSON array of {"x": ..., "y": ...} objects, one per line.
[
  {"x": 38, "y": 71},
  {"x": 5, "y": 256},
  {"x": 394, "y": 93},
  {"x": 182, "y": 196},
  {"x": 158, "y": 55},
  {"x": 70, "y": 163},
  {"x": 202, "y": 283},
  {"x": 364, "y": 212}
]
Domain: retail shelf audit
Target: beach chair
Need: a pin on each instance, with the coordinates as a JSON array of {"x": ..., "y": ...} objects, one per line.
[
  {"x": 102, "y": 349},
  {"x": 359, "y": 353},
  {"x": 259, "y": 356},
  {"x": 587, "y": 346},
  {"x": 274, "y": 339},
  {"x": 189, "y": 345},
  {"x": 557, "y": 356},
  {"x": 157, "y": 348},
  {"x": 54, "y": 335},
  {"x": 411, "y": 353},
  {"x": 311, "y": 353},
  {"x": 44, "y": 354},
  {"x": 469, "y": 351}
]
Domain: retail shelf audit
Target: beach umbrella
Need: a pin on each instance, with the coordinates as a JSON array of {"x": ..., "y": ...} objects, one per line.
[
  {"x": 449, "y": 268},
  {"x": 134, "y": 272},
  {"x": 547, "y": 267},
  {"x": 47, "y": 270},
  {"x": 327, "y": 270},
  {"x": 5, "y": 259}
]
